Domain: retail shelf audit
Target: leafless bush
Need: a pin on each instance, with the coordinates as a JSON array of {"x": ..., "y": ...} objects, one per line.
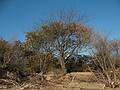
[{"x": 105, "y": 55}]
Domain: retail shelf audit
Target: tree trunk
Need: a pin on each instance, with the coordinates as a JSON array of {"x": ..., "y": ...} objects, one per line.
[{"x": 62, "y": 62}]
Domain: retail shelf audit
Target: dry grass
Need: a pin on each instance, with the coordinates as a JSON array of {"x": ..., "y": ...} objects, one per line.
[{"x": 70, "y": 81}]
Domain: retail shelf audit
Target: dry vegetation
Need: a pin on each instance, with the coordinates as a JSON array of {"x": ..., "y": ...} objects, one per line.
[{"x": 50, "y": 58}]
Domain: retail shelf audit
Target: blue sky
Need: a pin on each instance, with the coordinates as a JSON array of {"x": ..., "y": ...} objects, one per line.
[{"x": 20, "y": 16}]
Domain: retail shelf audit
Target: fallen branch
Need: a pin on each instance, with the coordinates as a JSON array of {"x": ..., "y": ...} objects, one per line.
[{"x": 10, "y": 81}]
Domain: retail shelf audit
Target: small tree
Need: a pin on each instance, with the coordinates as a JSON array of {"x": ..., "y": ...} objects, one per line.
[
  {"x": 41, "y": 46},
  {"x": 14, "y": 59}
]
